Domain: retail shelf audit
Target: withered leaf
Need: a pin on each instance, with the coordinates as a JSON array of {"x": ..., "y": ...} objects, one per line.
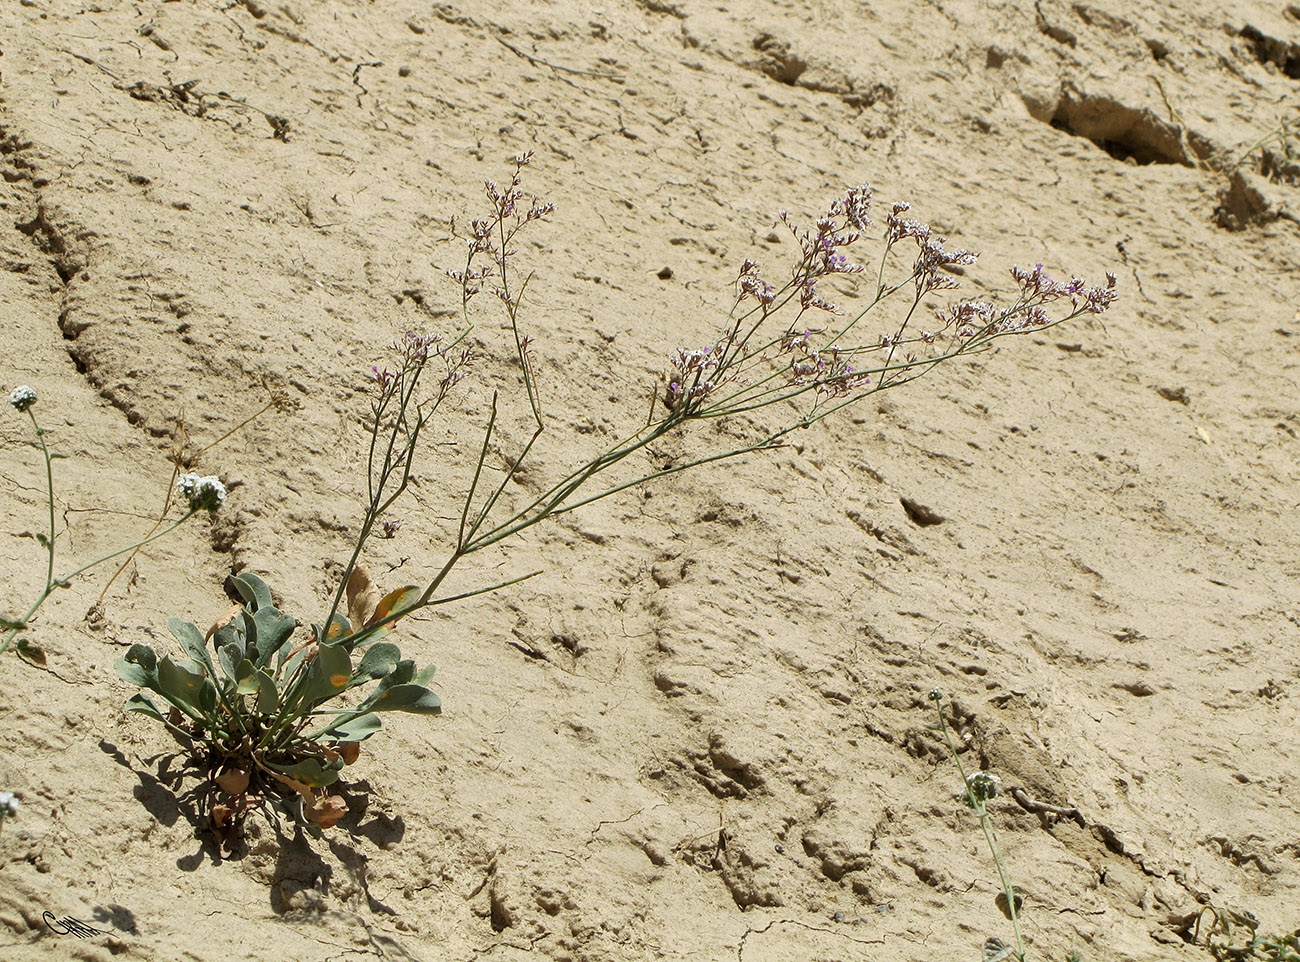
[
  {"x": 326, "y": 811},
  {"x": 363, "y": 597},
  {"x": 233, "y": 781},
  {"x": 226, "y": 617}
]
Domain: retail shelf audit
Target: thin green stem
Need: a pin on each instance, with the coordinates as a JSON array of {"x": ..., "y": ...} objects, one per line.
[
  {"x": 49, "y": 490},
  {"x": 62, "y": 582},
  {"x": 986, "y": 823}
]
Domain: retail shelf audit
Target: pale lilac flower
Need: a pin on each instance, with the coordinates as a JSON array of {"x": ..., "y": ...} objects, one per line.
[
  {"x": 930, "y": 261},
  {"x": 695, "y": 374},
  {"x": 752, "y": 285},
  {"x": 967, "y": 318}
]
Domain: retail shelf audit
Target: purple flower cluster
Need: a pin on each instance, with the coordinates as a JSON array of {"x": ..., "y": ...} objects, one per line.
[
  {"x": 695, "y": 374},
  {"x": 828, "y": 369},
  {"x": 823, "y": 246},
  {"x": 1036, "y": 287},
  {"x": 967, "y": 318},
  {"x": 932, "y": 257},
  {"x": 511, "y": 209},
  {"x": 414, "y": 350},
  {"x": 971, "y": 319},
  {"x": 505, "y": 203},
  {"x": 752, "y": 285}
]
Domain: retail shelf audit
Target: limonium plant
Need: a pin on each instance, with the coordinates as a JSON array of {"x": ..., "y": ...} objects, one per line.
[{"x": 272, "y": 714}]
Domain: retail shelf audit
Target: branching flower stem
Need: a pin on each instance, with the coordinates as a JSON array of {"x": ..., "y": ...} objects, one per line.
[
  {"x": 15, "y": 626},
  {"x": 809, "y": 373}
]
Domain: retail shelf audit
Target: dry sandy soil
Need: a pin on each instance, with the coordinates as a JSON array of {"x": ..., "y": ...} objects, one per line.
[{"x": 701, "y": 733}]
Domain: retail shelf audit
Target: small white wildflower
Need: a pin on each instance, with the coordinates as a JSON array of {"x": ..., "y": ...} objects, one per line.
[
  {"x": 22, "y": 398},
  {"x": 8, "y": 805},
  {"x": 936, "y": 694},
  {"x": 984, "y": 785},
  {"x": 205, "y": 493}
]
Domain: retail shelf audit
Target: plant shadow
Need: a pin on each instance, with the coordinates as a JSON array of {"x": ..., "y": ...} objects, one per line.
[{"x": 300, "y": 868}]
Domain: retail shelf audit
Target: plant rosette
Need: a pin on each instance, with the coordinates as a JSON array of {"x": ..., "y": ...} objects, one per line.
[{"x": 272, "y": 720}]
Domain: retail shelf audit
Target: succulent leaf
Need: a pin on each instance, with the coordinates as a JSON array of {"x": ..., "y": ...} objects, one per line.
[
  {"x": 273, "y": 630},
  {"x": 268, "y": 699},
  {"x": 141, "y": 656},
  {"x": 245, "y": 675},
  {"x": 181, "y": 684},
  {"x": 411, "y": 698},
  {"x": 311, "y": 772},
  {"x": 230, "y": 657},
  {"x": 328, "y": 674},
  {"x": 142, "y": 703},
  {"x": 379, "y": 660},
  {"x": 228, "y": 634},
  {"x": 354, "y": 730},
  {"x": 192, "y": 641},
  {"x": 253, "y": 590},
  {"x": 339, "y": 627}
]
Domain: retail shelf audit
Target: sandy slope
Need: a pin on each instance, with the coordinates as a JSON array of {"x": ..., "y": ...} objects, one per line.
[{"x": 701, "y": 733}]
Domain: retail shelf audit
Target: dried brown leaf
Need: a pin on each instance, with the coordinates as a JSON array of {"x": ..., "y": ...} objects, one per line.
[
  {"x": 226, "y": 617},
  {"x": 363, "y": 597},
  {"x": 326, "y": 811},
  {"x": 233, "y": 781}
]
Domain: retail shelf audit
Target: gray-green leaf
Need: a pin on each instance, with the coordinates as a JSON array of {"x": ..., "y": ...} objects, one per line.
[
  {"x": 253, "y": 590},
  {"x": 379, "y": 660},
  {"x": 311, "y": 772},
  {"x": 355, "y": 730},
  {"x": 273, "y": 631},
  {"x": 327, "y": 675},
  {"x": 412, "y": 698},
  {"x": 192, "y": 642}
]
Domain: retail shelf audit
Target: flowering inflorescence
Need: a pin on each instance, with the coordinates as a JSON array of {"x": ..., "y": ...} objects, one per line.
[
  {"x": 970, "y": 320},
  {"x": 202, "y": 493},
  {"x": 414, "y": 350},
  {"x": 1037, "y": 288},
  {"x": 695, "y": 374},
  {"x": 8, "y": 805},
  {"x": 22, "y": 398},
  {"x": 827, "y": 369},
  {"x": 824, "y": 364},
  {"x": 507, "y": 202},
  {"x": 751, "y": 284},
  {"x": 511, "y": 210},
  {"x": 822, "y": 247},
  {"x": 983, "y": 786}
]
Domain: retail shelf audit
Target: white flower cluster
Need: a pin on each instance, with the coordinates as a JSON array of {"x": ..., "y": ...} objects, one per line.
[
  {"x": 8, "y": 805},
  {"x": 202, "y": 493},
  {"x": 984, "y": 785},
  {"x": 22, "y": 398}
]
